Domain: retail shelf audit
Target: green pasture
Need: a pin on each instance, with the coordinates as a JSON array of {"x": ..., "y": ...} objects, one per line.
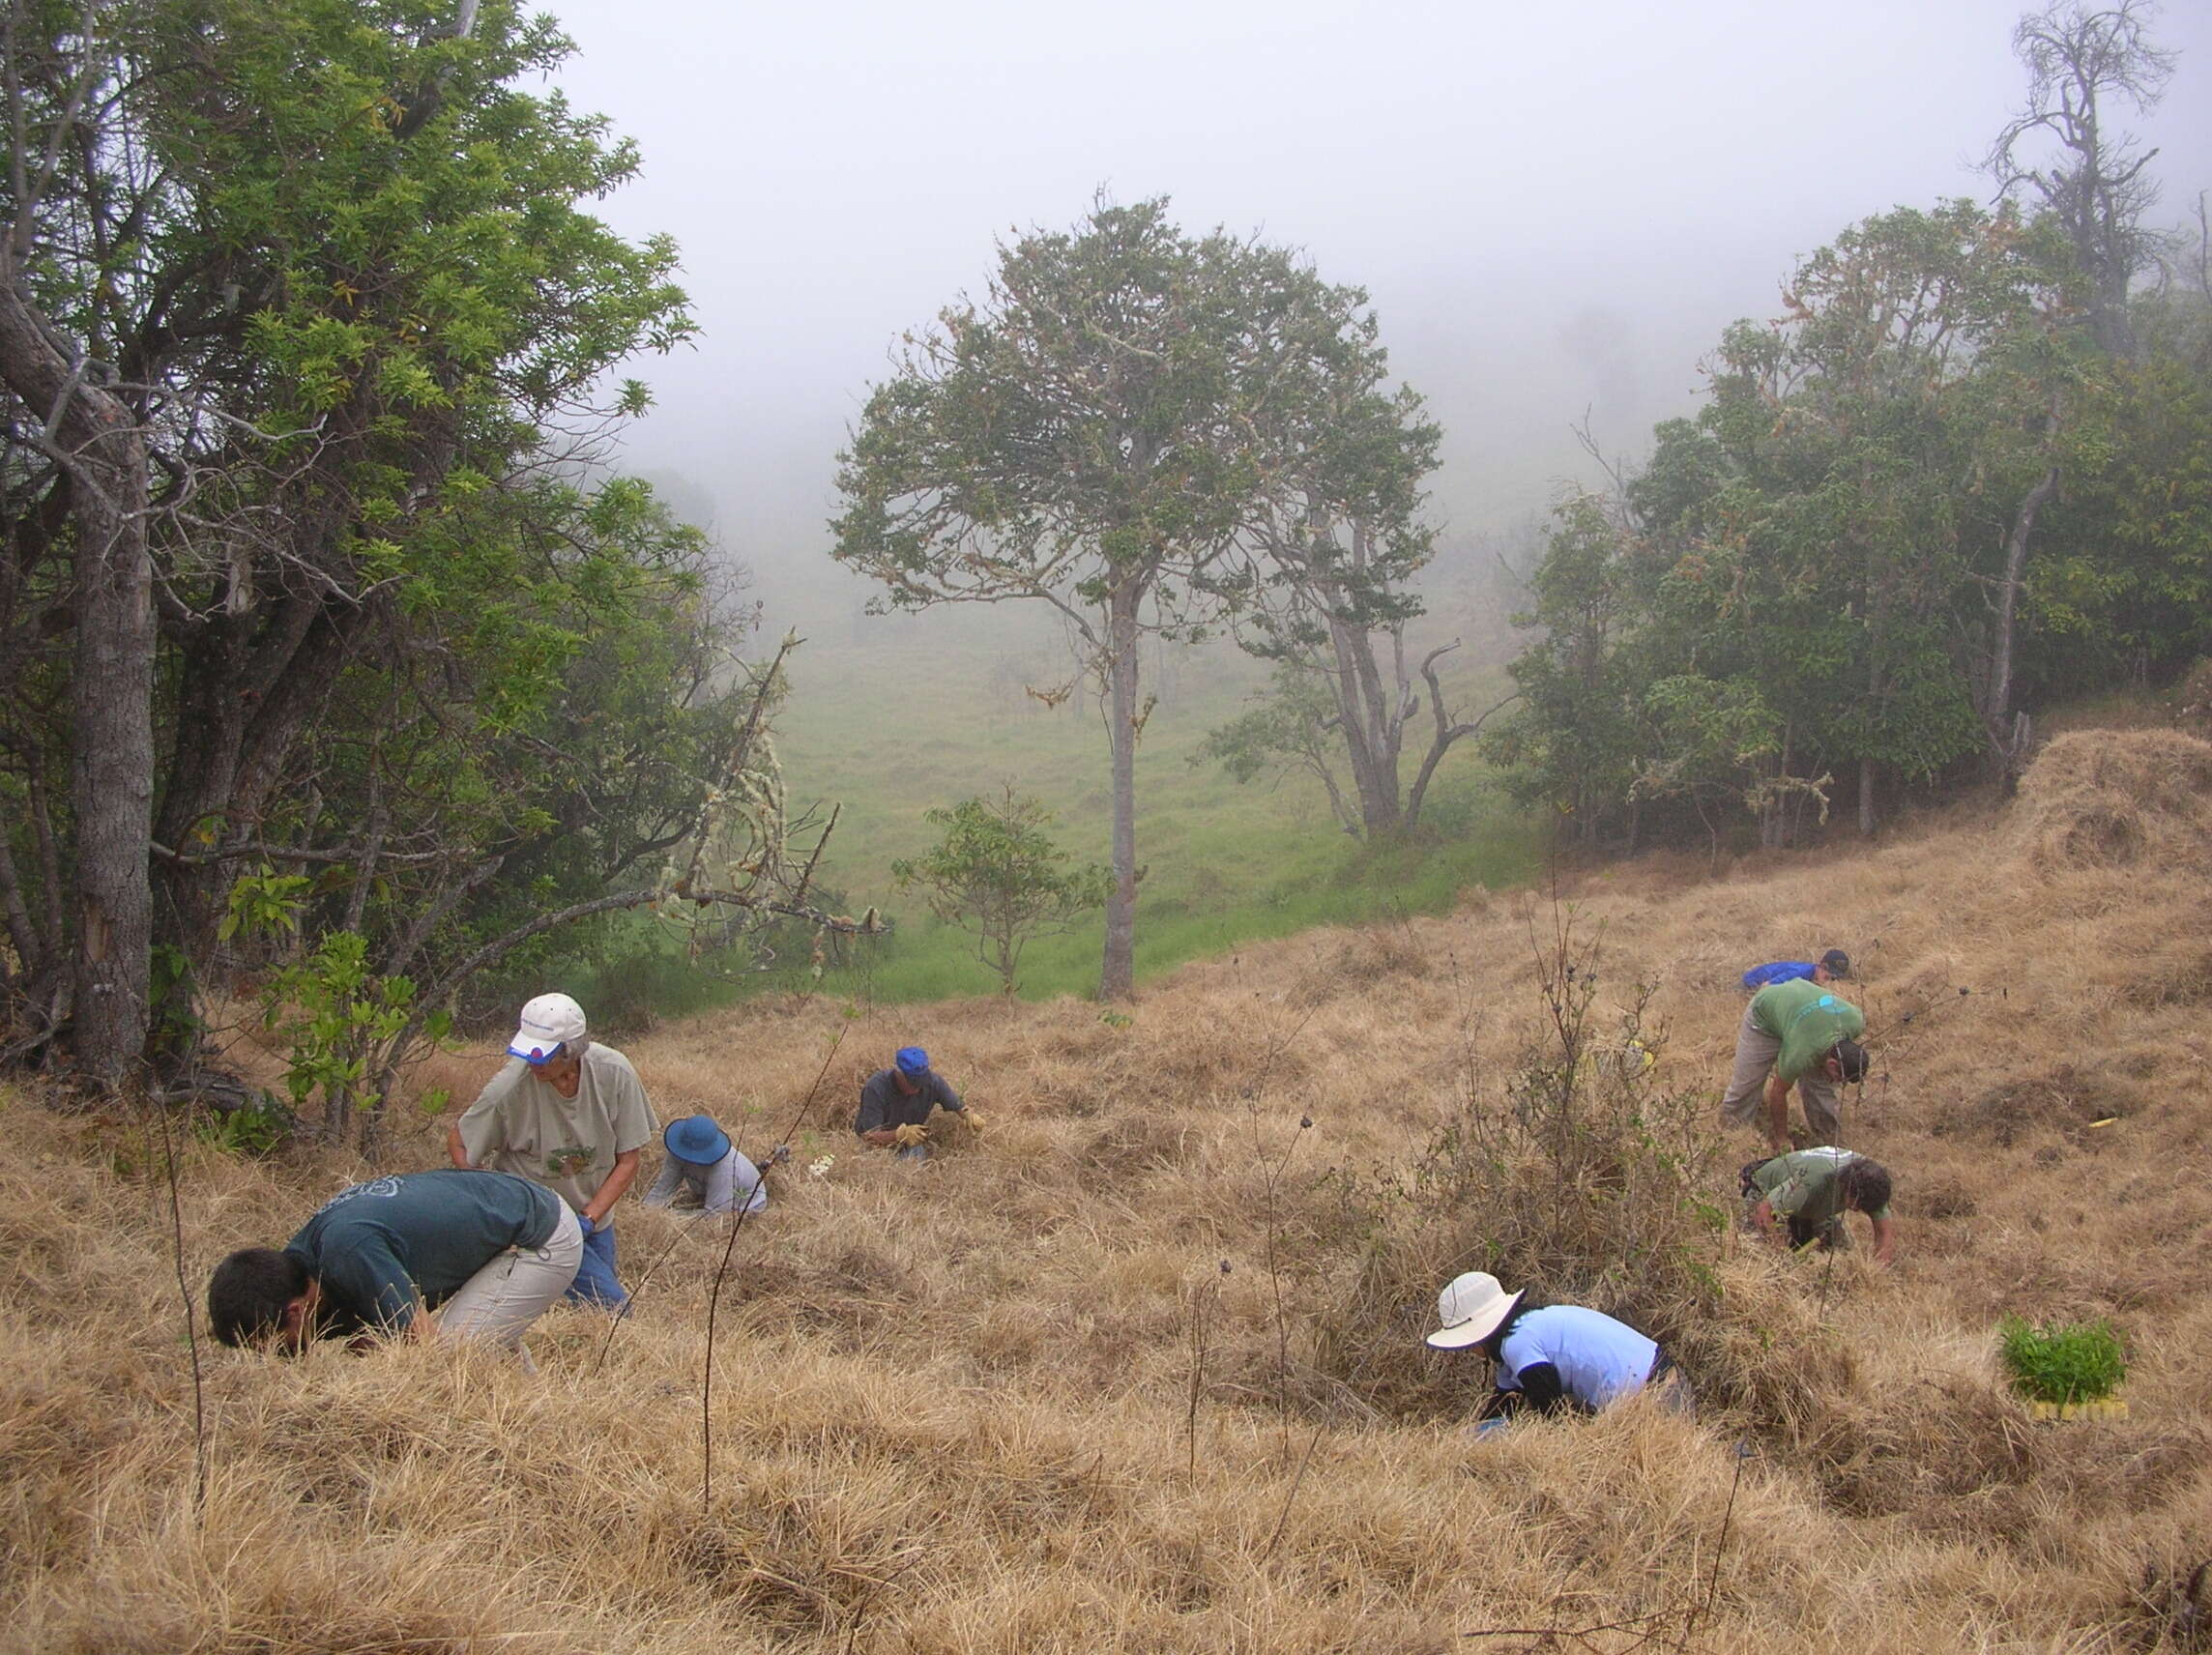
[{"x": 904, "y": 714}]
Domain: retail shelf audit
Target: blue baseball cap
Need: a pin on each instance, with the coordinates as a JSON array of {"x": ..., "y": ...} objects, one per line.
[
  {"x": 697, "y": 1140},
  {"x": 912, "y": 1061}
]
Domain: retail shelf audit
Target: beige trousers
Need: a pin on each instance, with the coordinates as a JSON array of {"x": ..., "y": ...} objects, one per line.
[
  {"x": 513, "y": 1290},
  {"x": 1756, "y": 1051}
]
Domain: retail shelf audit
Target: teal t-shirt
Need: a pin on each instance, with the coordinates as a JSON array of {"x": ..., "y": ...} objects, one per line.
[
  {"x": 378, "y": 1247},
  {"x": 1808, "y": 1020}
]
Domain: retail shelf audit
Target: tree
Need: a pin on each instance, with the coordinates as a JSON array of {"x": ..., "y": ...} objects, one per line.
[
  {"x": 1339, "y": 549},
  {"x": 2080, "y": 61},
  {"x": 1291, "y": 727},
  {"x": 1572, "y": 739},
  {"x": 1103, "y": 432},
  {"x": 309, "y": 331},
  {"x": 996, "y": 872}
]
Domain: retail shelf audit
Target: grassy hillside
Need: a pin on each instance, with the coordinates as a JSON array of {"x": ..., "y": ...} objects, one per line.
[{"x": 1139, "y": 1366}]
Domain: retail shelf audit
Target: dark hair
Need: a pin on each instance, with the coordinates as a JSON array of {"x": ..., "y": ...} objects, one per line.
[
  {"x": 1863, "y": 1185},
  {"x": 1493, "y": 1345},
  {"x": 1850, "y": 1061},
  {"x": 1836, "y": 962},
  {"x": 247, "y": 1296}
]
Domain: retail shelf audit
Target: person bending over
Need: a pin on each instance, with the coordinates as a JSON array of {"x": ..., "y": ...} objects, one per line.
[
  {"x": 706, "y": 1170},
  {"x": 1558, "y": 1358},
  {"x": 1793, "y": 1033},
  {"x": 569, "y": 1113},
  {"x": 1799, "y": 1199},
  {"x": 422, "y": 1256}
]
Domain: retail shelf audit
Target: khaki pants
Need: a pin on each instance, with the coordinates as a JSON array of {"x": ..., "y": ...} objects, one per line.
[
  {"x": 1743, "y": 1105},
  {"x": 513, "y": 1290}
]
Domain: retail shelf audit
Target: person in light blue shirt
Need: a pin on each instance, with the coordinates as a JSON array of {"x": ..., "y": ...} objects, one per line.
[
  {"x": 1558, "y": 1358},
  {"x": 1826, "y": 969}
]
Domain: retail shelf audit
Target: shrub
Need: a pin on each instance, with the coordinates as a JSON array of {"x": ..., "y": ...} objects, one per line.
[
  {"x": 1578, "y": 1177},
  {"x": 2062, "y": 1362}
]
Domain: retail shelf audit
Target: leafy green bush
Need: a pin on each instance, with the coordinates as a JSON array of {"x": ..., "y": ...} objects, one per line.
[{"x": 2062, "y": 1362}]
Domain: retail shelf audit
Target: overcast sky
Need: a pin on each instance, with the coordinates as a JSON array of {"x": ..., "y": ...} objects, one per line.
[{"x": 1554, "y": 206}]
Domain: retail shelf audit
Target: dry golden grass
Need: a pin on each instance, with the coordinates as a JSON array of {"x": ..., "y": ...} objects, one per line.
[{"x": 952, "y": 1404}]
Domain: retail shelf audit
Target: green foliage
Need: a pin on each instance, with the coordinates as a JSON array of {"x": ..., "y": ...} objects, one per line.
[
  {"x": 346, "y": 265},
  {"x": 996, "y": 872},
  {"x": 337, "y": 1018},
  {"x": 252, "y": 1129},
  {"x": 2062, "y": 1362},
  {"x": 267, "y": 903},
  {"x": 1818, "y": 573}
]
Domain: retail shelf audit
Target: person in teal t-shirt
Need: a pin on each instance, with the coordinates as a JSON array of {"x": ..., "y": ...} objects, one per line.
[
  {"x": 1795, "y": 1033},
  {"x": 486, "y": 1251}
]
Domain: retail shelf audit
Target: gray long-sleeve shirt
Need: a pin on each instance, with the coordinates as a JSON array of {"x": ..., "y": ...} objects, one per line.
[{"x": 729, "y": 1184}]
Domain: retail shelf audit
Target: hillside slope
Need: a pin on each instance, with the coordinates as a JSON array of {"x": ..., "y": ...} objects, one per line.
[{"x": 1138, "y": 1368}]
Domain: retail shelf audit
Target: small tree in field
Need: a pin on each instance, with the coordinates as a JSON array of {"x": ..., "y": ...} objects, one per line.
[{"x": 996, "y": 873}]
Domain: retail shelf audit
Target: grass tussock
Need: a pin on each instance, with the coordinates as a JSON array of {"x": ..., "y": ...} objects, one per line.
[{"x": 1139, "y": 1365}]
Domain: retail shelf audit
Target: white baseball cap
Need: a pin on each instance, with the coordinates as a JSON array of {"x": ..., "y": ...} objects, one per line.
[{"x": 548, "y": 1022}]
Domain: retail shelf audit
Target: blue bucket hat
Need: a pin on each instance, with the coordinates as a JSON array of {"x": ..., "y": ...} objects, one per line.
[
  {"x": 912, "y": 1061},
  {"x": 696, "y": 1140}
]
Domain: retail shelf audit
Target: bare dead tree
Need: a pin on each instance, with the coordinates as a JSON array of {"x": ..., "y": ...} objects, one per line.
[{"x": 2063, "y": 151}]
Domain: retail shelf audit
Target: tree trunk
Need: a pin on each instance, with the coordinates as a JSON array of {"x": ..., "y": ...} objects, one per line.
[
  {"x": 112, "y": 765},
  {"x": 1117, "y": 974},
  {"x": 1997, "y": 708},
  {"x": 1866, "y": 797}
]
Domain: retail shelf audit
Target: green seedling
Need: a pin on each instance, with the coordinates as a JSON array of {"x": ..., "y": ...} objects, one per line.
[{"x": 2062, "y": 1362}]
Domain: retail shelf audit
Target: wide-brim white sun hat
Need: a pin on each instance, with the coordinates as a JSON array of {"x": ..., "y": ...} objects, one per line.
[{"x": 1471, "y": 1308}]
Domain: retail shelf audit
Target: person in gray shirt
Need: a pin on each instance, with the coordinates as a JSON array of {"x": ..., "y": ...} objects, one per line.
[
  {"x": 705, "y": 1166},
  {"x": 487, "y": 1252},
  {"x": 895, "y": 1104}
]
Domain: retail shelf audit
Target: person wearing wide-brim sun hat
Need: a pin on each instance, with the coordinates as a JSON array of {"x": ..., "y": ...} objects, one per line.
[
  {"x": 1556, "y": 1358},
  {"x": 705, "y": 1167}
]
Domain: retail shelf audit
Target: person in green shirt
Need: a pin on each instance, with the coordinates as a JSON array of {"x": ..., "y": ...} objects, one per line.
[
  {"x": 1799, "y": 1198},
  {"x": 1795, "y": 1033}
]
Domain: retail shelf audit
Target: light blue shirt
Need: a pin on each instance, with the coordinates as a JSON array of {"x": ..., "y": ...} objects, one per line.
[{"x": 1600, "y": 1361}]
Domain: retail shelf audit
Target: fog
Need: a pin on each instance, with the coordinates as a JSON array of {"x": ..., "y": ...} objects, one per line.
[{"x": 1555, "y": 208}]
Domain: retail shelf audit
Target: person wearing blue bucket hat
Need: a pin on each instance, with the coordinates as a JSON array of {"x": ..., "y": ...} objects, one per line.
[
  {"x": 704, "y": 1165},
  {"x": 895, "y": 1104}
]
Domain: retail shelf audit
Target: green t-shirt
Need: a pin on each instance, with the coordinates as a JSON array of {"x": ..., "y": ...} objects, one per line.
[
  {"x": 1802, "y": 1184},
  {"x": 378, "y": 1247},
  {"x": 1808, "y": 1020}
]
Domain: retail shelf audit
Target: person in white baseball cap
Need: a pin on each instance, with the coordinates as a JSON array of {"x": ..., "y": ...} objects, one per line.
[
  {"x": 1556, "y": 1358},
  {"x": 569, "y": 1113}
]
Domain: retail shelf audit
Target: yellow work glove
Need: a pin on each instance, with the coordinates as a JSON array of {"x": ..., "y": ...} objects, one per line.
[
  {"x": 972, "y": 1115},
  {"x": 908, "y": 1136}
]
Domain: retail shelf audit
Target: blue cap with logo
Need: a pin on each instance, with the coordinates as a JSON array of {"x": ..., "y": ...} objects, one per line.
[{"x": 912, "y": 1061}]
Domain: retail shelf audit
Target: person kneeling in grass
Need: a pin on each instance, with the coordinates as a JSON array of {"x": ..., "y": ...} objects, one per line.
[
  {"x": 895, "y": 1104},
  {"x": 1558, "y": 1358},
  {"x": 1799, "y": 1199},
  {"x": 706, "y": 1170},
  {"x": 486, "y": 1251}
]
